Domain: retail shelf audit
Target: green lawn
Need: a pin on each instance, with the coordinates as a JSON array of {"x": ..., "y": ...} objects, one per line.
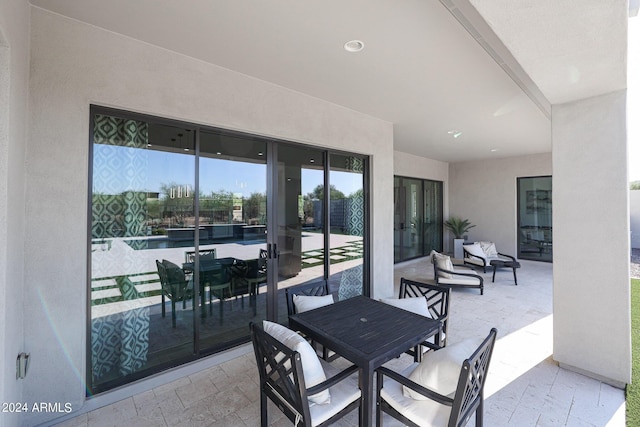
[{"x": 633, "y": 389}]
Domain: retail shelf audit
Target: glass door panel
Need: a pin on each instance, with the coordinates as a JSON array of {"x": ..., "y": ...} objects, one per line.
[
  {"x": 142, "y": 301},
  {"x": 232, "y": 247},
  {"x": 432, "y": 220},
  {"x": 300, "y": 205},
  {"x": 417, "y": 217},
  {"x": 347, "y": 225},
  {"x": 535, "y": 225}
]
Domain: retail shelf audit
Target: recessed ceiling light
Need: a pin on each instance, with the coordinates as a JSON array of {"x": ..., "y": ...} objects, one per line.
[
  {"x": 218, "y": 153},
  {"x": 311, "y": 161},
  {"x": 493, "y": 150},
  {"x": 260, "y": 154},
  {"x": 455, "y": 133},
  {"x": 354, "y": 46}
]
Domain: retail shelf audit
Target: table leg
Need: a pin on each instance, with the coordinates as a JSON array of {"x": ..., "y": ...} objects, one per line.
[
  {"x": 494, "y": 273},
  {"x": 515, "y": 278},
  {"x": 367, "y": 399}
]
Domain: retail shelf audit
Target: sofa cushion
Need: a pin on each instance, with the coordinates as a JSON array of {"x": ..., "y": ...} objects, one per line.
[{"x": 313, "y": 372}]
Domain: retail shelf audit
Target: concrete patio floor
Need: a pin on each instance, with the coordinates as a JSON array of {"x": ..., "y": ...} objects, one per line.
[{"x": 525, "y": 386}]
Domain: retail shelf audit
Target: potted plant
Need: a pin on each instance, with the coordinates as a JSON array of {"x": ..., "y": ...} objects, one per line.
[{"x": 458, "y": 227}]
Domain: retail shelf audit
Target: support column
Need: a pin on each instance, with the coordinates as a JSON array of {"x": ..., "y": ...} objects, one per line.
[{"x": 591, "y": 285}]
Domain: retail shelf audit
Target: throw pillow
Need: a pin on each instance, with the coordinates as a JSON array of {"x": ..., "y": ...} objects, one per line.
[
  {"x": 305, "y": 302},
  {"x": 439, "y": 370},
  {"x": 313, "y": 372},
  {"x": 444, "y": 262},
  {"x": 489, "y": 248},
  {"x": 417, "y": 305},
  {"x": 476, "y": 250}
]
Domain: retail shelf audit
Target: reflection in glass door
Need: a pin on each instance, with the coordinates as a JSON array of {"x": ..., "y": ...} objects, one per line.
[
  {"x": 232, "y": 247},
  {"x": 535, "y": 237},
  {"x": 417, "y": 217},
  {"x": 196, "y": 232},
  {"x": 300, "y": 231},
  {"x": 141, "y": 310}
]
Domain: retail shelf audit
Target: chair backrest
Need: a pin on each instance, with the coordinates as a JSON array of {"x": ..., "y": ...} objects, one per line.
[
  {"x": 437, "y": 297},
  {"x": 314, "y": 289},
  {"x": 469, "y": 393},
  {"x": 205, "y": 254},
  {"x": 281, "y": 375},
  {"x": 175, "y": 285}
]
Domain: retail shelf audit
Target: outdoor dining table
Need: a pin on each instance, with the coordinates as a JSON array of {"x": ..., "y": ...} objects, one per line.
[
  {"x": 207, "y": 268},
  {"x": 366, "y": 332}
]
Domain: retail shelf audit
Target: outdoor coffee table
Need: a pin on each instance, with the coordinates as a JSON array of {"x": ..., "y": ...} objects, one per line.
[
  {"x": 366, "y": 332},
  {"x": 498, "y": 263}
]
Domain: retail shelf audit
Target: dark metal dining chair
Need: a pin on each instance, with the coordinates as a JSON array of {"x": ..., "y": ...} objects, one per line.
[
  {"x": 175, "y": 286},
  {"x": 282, "y": 380},
  {"x": 435, "y": 409}
]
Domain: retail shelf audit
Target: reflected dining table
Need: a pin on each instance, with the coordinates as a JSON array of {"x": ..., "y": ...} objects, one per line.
[
  {"x": 366, "y": 332},
  {"x": 210, "y": 269}
]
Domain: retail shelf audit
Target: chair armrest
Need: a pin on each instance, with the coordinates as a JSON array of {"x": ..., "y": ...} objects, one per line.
[
  {"x": 330, "y": 382},
  {"x": 444, "y": 400},
  {"x": 507, "y": 256},
  {"x": 457, "y": 273}
]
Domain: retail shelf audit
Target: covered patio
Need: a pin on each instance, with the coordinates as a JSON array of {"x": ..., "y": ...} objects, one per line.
[{"x": 525, "y": 386}]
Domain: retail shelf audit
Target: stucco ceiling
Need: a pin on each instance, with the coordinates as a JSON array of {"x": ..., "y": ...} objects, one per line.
[{"x": 420, "y": 68}]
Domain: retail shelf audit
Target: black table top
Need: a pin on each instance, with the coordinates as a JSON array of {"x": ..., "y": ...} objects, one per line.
[
  {"x": 365, "y": 331},
  {"x": 504, "y": 263}
]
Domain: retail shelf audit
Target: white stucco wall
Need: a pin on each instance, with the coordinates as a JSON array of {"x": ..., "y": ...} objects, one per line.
[
  {"x": 590, "y": 206},
  {"x": 74, "y": 65},
  {"x": 484, "y": 191},
  {"x": 634, "y": 216},
  {"x": 14, "y": 71}
]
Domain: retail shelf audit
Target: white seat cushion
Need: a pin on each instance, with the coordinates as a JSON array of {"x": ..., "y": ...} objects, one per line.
[
  {"x": 313, "y": 372},
  {"x": 425, "y": 413},
  {"x": 305, "y": 303},
  {"x": 439, "y": 370},
  {"x": 476, "y": 261},
  {"x": 342, "y": 394},
  {"x": 417, "y": 305}
]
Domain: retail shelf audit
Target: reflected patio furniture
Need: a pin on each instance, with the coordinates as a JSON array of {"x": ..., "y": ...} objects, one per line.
[
  {"x": 438, "y": 298},
  {"x": 293, "y": 380},
  {"x": 205, "y": 254},
  {"x": 175, "y": 286},
  {"x": 217, "y": 276},
  {"x": 480, "y": 254},
  {"x": 438, "y": 396},
  {"x": 454, "y": 275},
  {"x": 247, "y": 276}
]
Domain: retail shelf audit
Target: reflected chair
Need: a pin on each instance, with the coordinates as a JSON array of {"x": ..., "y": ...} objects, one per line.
[
  {"x": 204, "y": 255},
  {"x": 175, "y": 286},
  {"x": 309, "y": 391},
  {"x": 218, "y": 279},
  {"x": 248, "y": 275},
  {"x": 445, "y": 389},
  {"x": 438, "y": 298},
  {"x": 452, "y": 275}
]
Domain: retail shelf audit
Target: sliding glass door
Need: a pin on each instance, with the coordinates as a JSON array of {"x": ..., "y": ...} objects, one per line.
[
  {"x": 535, "y": 237},
  {"x": 196, "y": 232},
  {"x": 417, "y": 217}
]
